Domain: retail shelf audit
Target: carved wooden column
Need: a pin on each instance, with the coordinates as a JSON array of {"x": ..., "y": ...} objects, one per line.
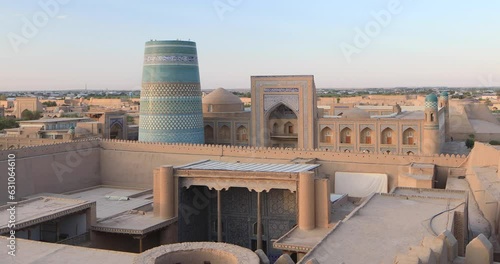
[
  {"x": 259, "y": 220},
  {"x": 219, "y": 217}
]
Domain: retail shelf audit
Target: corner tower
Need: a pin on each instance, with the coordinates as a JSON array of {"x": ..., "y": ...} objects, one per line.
[
  {"x": 171, "y": 94},
  {"x": 431, "y": 126}
]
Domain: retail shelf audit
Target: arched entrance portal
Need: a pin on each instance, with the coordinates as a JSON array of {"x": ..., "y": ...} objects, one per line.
[
  {"x": 282, "y": 127},
  {"x": 116, "y": 131}
]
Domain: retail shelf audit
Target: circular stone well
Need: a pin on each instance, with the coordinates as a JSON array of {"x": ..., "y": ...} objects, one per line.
[{"x": 198, "y": 252}]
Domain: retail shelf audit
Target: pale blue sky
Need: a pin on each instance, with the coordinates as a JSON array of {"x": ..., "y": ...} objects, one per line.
[{"x": 428, "y": 43}]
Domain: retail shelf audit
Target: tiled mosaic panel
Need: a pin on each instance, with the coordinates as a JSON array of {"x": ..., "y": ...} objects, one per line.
[
  {"x": 431, "y": 104},
  {"x": 171, "y": 122},
  {"x": 170, "y": 60},
  {"x": 192, "y": 222},
  {"x": 172, "y": 105},
  {"x": 170, "y": 89},
  {"x": 173, "y": 136},
  {"x": 171, "y": 96}
]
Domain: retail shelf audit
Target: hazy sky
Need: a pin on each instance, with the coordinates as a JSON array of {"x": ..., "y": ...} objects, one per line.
[{"x": 101, "y": 43}]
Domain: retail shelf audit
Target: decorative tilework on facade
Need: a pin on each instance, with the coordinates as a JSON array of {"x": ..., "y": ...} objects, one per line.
[
  {"x": 431, "y": 104},
  {"x": 171, "y": 108}
]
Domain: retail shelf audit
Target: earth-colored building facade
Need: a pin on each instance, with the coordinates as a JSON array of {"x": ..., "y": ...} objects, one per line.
[
  {"x": 285, "y": 114},
  {"x": 116, "y": 162}
]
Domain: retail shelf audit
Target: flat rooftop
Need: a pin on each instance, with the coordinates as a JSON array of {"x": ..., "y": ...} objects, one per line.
[
  {"x": 431, "y": 193},
  {"x": 252, "y": 167},
  {"x": 383, "y": 227},
  {"x": 133, "y": 222},
  {"x": 489, "y": 179},
  {"x": 301, "y": 240},
  {"x": 374, "y": 107},
  {"x": 419, "y": 115},
  {"x": 304, "y": 240},
  {"x": 29, "y": 251},
  {"x": 41, "y": 209},
  {"x": 53, "y": 120},
  {"x": 112, "y": 200},
  {"x": 423, "y": 165}
]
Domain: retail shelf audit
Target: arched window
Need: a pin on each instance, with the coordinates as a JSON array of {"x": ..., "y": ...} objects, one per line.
[
  {"x": 288, "y": 128},
  {"x": 224, "y": 133},
  {"x": 366, "y": 136},
  {"x": 432, "y": 117},
  {"x": 345, "y": 136},
  {"x": 241, "y": 134},
  {"x": 210, "y": 108},
  {"x": 387, "y": 135},
  {"x": 326, "y": 135},
  {"x": 275, "y": 128},
  {"x": 209, "y": 133},
  {"x": 409, "y": 137},
  {"x": 116, "y": 131}
]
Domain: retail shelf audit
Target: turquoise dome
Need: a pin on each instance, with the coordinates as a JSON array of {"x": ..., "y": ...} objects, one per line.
[
  {"x": 431, "y": 98},
  {"x": 445, "y": 94}
]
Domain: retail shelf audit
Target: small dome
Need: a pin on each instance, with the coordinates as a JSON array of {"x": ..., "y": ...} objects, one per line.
[
  {"x": 356, "y": 113},
  {"x": 61, "y": 111},
  {"x": 221, "y": 96},
  {"x": 431, "y": 98},
  {"x": 444, "y": 94}
]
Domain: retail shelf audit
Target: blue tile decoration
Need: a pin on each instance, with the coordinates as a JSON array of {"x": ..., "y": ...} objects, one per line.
[{"x": 171, "y": 109}]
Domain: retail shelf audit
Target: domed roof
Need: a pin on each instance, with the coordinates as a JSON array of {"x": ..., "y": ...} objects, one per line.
[
  {"x": 221, "y": 96},
  {"x": 445, "y": 94},
  {"x": 431, "y": 98},
  {"x": 355, "y": 113}
]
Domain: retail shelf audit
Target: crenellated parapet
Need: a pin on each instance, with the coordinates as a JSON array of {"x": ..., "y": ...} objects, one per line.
[
  {"x": 48, "y": 148},
  {"x": 282, "y": 153}
]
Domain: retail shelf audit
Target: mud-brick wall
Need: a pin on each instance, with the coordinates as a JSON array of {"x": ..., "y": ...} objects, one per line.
[{"x": 54, "y": 168}]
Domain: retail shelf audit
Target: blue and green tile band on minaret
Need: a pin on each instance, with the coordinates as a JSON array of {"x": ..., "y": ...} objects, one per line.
[{"x": 171, "y": 94}]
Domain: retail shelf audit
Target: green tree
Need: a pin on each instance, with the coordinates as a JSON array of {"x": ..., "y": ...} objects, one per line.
[
  {"x": 29, "y": 115},
  {"x": 49, "y": 103},
  {"x": 130, "y": 119},
  {"x": 6, "y": 123},
  {"x": 70, "y": 115},
  {"x": 469, "y": 143}
]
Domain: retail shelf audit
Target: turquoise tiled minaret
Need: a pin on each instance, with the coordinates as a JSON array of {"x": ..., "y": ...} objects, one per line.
[
  {"x": 432, "y": 143},
  {"x": 171, "y": 95}
]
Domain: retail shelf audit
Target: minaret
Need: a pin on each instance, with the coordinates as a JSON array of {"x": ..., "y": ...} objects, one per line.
[
  {"x": 171, "y": 94},
  {"x": 431, "y": 126},
  {"x": 444, "y": 102}
]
